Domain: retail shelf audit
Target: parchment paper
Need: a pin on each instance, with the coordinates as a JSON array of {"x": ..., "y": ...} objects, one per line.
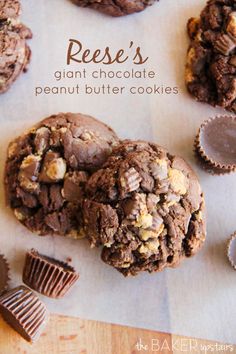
[{"x": 197, "y": 299}]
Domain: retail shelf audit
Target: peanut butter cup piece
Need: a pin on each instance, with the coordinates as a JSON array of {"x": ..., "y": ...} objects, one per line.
[
  {"x": 231, "y": 250},
  {"x": 24, "y": 312},
  {"x": 4, "y": 274},
  {"x": 215, "y": 144},
  {"x": 48, "y": 276}
]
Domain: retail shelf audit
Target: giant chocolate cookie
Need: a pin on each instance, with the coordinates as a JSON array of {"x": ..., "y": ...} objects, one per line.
[
  {"x": 14, "y": 51},
  {"x": 47, "y": 168},
  {"x": 211, "y": 60},
  {"x": 146, "y": 208},
  {"x": 116, "y": 8}
]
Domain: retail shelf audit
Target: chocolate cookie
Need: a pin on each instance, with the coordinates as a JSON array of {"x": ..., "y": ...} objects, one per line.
[
  {"x": 211, "y": 60},
  {"x": 116, "y": 8},
  {"x": 47, "y": 168},
  {"x": 14, "y": 51},
  {"x": 146, "y": 208}
]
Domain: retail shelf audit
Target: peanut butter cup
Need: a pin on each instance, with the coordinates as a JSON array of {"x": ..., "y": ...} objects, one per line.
[
  {"x": 231, "y": 250},
  {"x": 24, "y": 312},
  {"x": 47, "y": 275},
  {"x": 215, "y": 144}
]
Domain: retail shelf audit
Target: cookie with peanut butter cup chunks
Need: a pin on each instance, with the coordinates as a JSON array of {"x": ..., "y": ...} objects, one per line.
[
  {"x": 47, "y": 169},
  {"x": 116, "y": 8},
  {"x": 211, "y": 60},
  {"x": 14, "y": 50},
  {"x": 146, "y": 208}
]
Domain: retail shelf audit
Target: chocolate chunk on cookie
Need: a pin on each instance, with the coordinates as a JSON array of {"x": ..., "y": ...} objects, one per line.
[
  {"x": 211, "y": 60},
  {"x": 116, "y": 8},
  {"x": 14, "y": 51},
  {"x": 145, "y": 207},
  {"x": 47, "y": 169}
]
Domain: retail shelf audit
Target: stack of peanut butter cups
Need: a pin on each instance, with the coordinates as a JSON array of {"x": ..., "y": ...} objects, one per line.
[{"x": 21, "y": 307}]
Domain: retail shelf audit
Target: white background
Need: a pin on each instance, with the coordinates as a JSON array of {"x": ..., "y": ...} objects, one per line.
[{"x": 197, "y": 299}]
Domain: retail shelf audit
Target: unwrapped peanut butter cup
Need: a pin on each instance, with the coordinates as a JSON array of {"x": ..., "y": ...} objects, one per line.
[
  {"x": 215, "y": 145},
  {"x": 48, "y": 276},
  {"x": 4, "y": 274},
  {"x": 231, "y": 250},
  {"x": 24, "y": 312}
]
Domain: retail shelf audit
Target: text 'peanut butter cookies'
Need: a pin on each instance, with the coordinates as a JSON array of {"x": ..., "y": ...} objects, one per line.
[
  {"x": 146, "y": 208},
  {"x": 24, "y": 312},
  {"x": 116, "y": 8},
  {"x": 211, "y": 60},
  {"x": 47, "y": 168},
  {"x": 215, "y": 145},
  {"x": 48, "y": 276},
  {"x": 14, "y": 51}
]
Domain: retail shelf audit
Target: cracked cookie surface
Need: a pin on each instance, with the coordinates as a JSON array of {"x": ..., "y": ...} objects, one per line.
[
  {"x": 145, "y": 208},
  {"x": 14, "y": 51},
  {"x": 211, "y": 60},
  {"x": 47, "y": 169},
  {"x": 116, "y": 8}
]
